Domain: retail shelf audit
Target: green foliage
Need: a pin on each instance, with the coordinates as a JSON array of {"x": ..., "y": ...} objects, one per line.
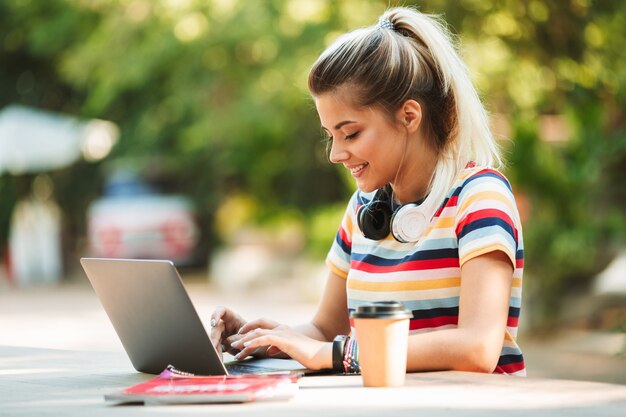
[
  {"x": 322, "y": 228},
  {"x": 215, "y": 90},
  {"x": 565, "y": 64},
  {"x": 574, "y": 227}
]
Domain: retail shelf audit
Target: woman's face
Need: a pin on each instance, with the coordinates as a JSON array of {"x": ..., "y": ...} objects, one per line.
[{"x": 364, "y": 140}]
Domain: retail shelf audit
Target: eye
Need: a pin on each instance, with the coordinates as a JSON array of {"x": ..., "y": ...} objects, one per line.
[{"x": 352, "y": 136}]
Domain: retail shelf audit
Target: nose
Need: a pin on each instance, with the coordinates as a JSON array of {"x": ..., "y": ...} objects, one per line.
[{"x": 337, "y": 154}]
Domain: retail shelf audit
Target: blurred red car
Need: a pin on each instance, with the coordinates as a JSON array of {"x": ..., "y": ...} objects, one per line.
[{"x": 133, "y": 220}]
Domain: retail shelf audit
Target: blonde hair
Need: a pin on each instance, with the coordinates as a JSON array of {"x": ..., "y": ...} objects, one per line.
[{"x": 413, "y": 57}]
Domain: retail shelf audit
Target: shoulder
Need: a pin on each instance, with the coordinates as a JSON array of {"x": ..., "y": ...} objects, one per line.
[
  {"x": 482, "y": 180},
  {"x": 485, "y": 190},
  {"x": 483, "y": 175}
]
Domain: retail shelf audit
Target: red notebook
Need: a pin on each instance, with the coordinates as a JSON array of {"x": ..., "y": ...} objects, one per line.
[{"x": 176, "y": 387}]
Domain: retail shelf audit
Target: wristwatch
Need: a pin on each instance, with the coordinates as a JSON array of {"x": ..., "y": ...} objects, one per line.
[{"x": 339, "y": 346}]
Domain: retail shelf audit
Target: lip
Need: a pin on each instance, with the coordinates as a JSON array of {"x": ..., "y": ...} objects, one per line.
[{"x": 357, "y": 170}]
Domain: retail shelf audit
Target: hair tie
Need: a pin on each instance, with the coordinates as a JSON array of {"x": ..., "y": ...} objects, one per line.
[{"x": 385, "y": 23}]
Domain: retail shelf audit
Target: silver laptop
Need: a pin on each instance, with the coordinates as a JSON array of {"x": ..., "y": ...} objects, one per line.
[{"x": 157, "y": 322}]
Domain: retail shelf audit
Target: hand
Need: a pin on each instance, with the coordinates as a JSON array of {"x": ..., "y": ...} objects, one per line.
[
  {"x": 260, "y": 352},
  {"x": 225, "y": 328},
  {"x": 313, "y": 354}
]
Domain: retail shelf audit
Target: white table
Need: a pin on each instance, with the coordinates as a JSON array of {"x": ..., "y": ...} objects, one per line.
[{"x": 46, "y": 382}]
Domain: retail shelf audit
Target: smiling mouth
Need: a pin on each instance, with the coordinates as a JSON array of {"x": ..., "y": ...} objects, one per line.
[{"x": 357, "y": 169}]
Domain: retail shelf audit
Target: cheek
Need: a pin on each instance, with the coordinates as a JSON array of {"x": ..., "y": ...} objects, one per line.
[{"x": 383, "y": 151}]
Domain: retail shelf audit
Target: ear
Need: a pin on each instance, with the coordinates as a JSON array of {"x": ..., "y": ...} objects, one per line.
[{"x": 410, "y": 115}]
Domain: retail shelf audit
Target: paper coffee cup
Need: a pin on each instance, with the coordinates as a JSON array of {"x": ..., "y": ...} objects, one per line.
[{"x": 382, "y": 332}]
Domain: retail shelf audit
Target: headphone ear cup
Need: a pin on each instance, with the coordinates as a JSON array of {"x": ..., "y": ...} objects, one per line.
[
  {"x": 408, "y": 223},
  {"x": 374, "y": 219}
]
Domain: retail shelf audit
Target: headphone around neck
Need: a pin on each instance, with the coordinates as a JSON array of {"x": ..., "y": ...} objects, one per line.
[{"x": 406, "y": 224}]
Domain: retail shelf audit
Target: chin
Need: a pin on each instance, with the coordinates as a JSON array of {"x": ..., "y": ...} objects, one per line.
[{"x": 364, "y": 188}]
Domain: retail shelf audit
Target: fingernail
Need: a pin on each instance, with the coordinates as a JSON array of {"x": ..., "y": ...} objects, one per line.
[
  {"x": 213, "y": 322},
  {"x": 246, "y": 344}
]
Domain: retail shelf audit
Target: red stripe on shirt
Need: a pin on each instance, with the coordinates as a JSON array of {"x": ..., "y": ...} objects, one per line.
[
  {"x": 406, "y": 266},
  {"x": 510, "y": 368},
  {"x": 343, "y": 235},
  {"x": 486, "y": 214},
  {"x": 512, "y": 321},
  {"x": 417, "y": 324},
  {"x": 452, "y": 201}
]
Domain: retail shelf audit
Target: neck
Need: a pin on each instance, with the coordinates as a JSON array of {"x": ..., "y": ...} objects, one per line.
[{"x": 415, "y": 172}]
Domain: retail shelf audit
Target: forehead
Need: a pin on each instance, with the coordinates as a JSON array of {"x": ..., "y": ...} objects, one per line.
[
  {"x": 337, "y": 106},
  {"x": 337, "y": 100}
]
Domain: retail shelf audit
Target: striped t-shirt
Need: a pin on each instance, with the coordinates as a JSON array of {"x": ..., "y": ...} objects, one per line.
[{"x": 478, "y": 216}]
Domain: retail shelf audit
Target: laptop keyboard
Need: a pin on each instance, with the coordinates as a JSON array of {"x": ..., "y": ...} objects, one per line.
[{"x": 243, "y": 368}]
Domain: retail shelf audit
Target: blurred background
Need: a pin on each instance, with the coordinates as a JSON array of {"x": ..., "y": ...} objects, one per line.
[{"x": 183, "y": 129}]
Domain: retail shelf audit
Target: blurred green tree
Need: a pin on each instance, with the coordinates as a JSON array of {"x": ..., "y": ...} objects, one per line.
[
  {"x": 215, "y": 90},
  {"x": 555, "y": 70}
]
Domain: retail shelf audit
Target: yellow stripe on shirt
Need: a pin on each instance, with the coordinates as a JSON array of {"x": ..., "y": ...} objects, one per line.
[{"x": 431, "y": 284}]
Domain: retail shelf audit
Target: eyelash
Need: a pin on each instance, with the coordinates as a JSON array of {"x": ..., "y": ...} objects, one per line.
[{"x": 329, "y": 139}]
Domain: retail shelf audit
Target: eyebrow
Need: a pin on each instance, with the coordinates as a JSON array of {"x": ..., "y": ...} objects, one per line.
[{"x": 341, "y": 124}]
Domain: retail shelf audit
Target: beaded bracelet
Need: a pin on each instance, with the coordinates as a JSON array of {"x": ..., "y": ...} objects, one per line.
[{"x": 351, "y": 357}]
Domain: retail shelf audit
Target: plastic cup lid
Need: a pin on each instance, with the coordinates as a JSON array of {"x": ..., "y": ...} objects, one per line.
[{"x": 381, "y": 309}]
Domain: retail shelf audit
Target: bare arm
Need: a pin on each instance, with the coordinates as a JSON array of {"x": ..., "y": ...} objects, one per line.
[{"x": 476, "y": 343}]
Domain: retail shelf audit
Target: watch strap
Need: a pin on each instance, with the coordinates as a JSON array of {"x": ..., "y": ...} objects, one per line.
[{"x": 339, "y": 347}]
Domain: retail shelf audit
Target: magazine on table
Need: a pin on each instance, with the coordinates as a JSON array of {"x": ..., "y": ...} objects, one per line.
[{"x": 176, "y": 387}]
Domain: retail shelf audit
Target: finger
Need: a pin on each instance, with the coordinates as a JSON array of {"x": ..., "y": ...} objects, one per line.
[
  {"x": 257, "y": 324},
  {"x": 216, "y": 337},
  {"x": 232, "y": 351},
  {"x": 216, "y": 333},
  {"x": 233, "y": 338},
  {"x": 232, "y": 321},
  {"x": 257, "y": 346},
  {"x": 228, "y": 344},
  {"x": 217, "y": 314},
  {"x": 246, "y": 346},
  {"x": 261, "y": 341},
  {"x": 247, "y": 337},
  {"x": 251, "y": 351},
  {"x": 274, "y": 352},
  {"x": 258, "y": 352}
]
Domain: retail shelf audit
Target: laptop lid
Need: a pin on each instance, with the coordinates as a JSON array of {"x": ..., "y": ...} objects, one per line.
[
  {"x": 153, "y": 315},
  {"x": 157, "y": 323}
]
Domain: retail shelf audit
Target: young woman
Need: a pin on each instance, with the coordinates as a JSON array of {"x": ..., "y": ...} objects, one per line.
[{"x": 433, "y": 224}]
